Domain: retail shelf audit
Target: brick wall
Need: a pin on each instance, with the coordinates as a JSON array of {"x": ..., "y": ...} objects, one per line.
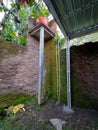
[
  {"x": 27, "y": 75},
  {"x": 19, "y": 71},
  {"x": 84, "y": 74},
  {"x": 84, "y": 63}
]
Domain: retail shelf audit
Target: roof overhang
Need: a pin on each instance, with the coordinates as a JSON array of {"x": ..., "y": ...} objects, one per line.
[{"x": 75, "y": 17}]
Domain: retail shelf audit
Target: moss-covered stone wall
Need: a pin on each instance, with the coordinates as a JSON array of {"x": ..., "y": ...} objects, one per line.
[
  {"x": 50, "y": 84},
  {"x": 84, "y": 75}
]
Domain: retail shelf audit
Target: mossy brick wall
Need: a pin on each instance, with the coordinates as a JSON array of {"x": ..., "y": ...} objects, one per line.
[
  {"x": 19, "y": 67},
  {"x": 63, "y": 76},
  {"x": 84, "y": 75},
  {"x": 50, "y": 84}
]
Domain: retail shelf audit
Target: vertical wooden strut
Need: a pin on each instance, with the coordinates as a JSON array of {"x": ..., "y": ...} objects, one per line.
[{"x": 41, "y": 66}]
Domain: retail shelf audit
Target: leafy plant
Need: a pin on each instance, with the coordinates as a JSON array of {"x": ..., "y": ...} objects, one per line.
[
  {"x": 59, "y": 39},
  {"x": 39, "y": 10},
  {"x": 14, "y": 25}
]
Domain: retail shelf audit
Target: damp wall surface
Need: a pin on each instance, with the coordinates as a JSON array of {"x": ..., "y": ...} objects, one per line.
[
  {"x": 84, "y": 75},
  {"x": 19, "y": 66},
  {"x": 50, "y": 84}
]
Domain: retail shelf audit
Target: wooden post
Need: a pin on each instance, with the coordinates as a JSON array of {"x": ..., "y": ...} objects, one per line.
[{"x": 41, "y": 66}]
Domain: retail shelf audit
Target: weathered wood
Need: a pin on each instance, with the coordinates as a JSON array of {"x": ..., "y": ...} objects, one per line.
[{"x": 35, "y": 32}]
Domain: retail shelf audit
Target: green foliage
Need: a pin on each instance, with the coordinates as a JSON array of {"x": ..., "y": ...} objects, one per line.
[
  {"x": 13, "y": 29},
  {"x": 9, "y": 32},
  {"x": 39, "y": 10},
  {"x": 15, "y": 22},
  {"x": 31, "y": 2},
  {"x": 7, "y": 123},
  {"x": 22, "y": 41},
  {"x": 1, "y": 9},
  {"x": 23, "y": 15},
  {"x": 14, "y": 123},
  {"x": 60, "y": 39}
]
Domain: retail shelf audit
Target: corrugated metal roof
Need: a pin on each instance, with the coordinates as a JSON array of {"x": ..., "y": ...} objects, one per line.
[{"x": 75, "y": 17}]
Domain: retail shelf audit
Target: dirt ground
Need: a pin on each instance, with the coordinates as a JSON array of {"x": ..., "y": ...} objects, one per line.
[
  {"x": 80, "y": 119},
  {"x": 37, "y": 117}
]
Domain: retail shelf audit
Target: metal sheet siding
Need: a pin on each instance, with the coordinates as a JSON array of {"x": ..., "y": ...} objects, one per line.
[{"x": 75, "y": 16}]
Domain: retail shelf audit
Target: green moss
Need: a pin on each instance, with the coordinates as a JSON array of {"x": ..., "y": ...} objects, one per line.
[
  {"x": 7, "y": 100},
  {"x": 79, "y": 95},
  {"x": 51, "y": 78},
  {"x": 13, "y": 99},
  {"x": 50, "y": 66},
  {"x": 63, "y": 76},
  {"x": 7, "y": 48}
]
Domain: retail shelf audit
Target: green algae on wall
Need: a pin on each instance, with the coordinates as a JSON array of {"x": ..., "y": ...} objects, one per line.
[
  {"x": 7, "y": 48},
  {"x": 50, "y": 84},
  {"x": 84, "y": 73},
  {"x": 79, "y": 97},
  {"x": 63, "y": 77}
]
